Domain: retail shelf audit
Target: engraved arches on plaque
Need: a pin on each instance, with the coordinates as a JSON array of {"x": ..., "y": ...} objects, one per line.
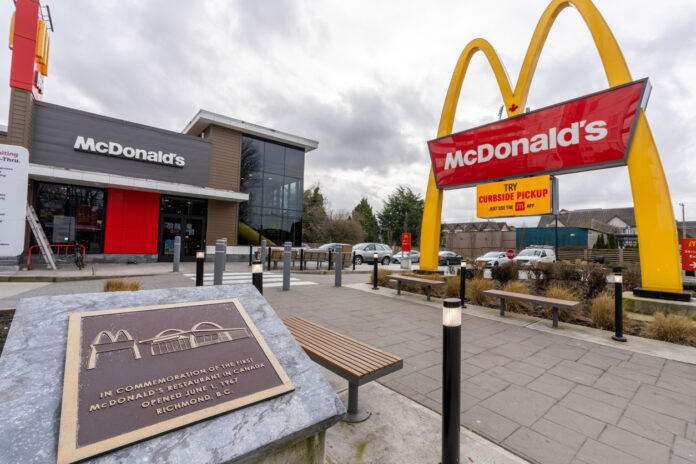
[
  {"x": 119, "y": 342},
  {"x": 201, "y": 334}
]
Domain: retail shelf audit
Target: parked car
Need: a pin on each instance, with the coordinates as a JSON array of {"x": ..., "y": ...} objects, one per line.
[
  {"x": 492, "y": 259},
  {"x": 364, "y": 253},
  {"x": 445, "y": 258},
  {"x": 413, "y": 254},
  {"x": 331, "y": 246},
  {"x": 532, "y": 255}
]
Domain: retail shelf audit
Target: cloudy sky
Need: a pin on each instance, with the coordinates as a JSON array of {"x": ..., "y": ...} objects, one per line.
[{"x": 367, "y": 79}]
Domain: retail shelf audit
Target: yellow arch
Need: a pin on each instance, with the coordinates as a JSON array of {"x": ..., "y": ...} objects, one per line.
[{"x": 657, "y": 232}]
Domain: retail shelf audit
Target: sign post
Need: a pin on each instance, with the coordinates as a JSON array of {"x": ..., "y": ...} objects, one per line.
[
  {"x": 14, "y": 178},
  {"x": 406, "y": 248}
]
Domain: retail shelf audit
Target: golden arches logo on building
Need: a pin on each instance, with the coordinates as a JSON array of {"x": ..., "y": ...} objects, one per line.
[{"x": 656, "y": 227}]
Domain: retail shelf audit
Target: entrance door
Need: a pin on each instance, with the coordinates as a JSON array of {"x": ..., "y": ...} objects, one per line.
[{"x": 189, "y": 228}]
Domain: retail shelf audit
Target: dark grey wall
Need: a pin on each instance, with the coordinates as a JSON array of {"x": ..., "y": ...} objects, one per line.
[{"x": 57, "y": 127}]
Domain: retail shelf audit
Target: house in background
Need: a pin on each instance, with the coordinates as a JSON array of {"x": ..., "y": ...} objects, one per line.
[
  {"x": 589, "y": 224},
  {"x": 471, "y": 239}
]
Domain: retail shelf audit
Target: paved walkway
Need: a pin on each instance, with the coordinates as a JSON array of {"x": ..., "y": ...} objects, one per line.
[{"x": 544, "y": 396}]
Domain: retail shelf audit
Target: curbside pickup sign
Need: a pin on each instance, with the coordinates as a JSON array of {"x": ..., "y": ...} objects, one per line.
[
  {"x": 590, "y": 132},
  {"x": 14, "y": 178},
  {"x": 518, "y": 197}
]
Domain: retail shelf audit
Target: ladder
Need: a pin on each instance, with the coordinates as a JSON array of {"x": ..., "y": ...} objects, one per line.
[{"x": 38, "y": 232}]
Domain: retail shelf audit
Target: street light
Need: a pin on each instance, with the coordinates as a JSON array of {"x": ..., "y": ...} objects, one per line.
[
  {"x": 375, "y": 256},
  {"x": 462, "y": 283},
  {"x": 257, "y": 275},
  {"x": 451, "y": 376},
  {"x": 200, "y": 260}
]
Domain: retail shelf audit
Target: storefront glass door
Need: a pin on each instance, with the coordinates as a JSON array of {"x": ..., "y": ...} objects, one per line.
[{"x": 189, "y": 228}]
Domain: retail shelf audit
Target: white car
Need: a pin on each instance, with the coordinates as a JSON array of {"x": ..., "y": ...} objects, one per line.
[
  {"x": 492, "y": 259},
  {"x": 529, "y": 256}
]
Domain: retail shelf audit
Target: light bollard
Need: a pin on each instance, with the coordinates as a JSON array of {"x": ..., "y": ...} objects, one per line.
[
  {"x": 177, "y": 253},
  {"x": 200, "y": 261},
  {"x": 451, "y": 378},
  {"x": 462, "y": 283},
  {"x": 375, "y": 256},
  {"x": 287, "y": 252},
  {"x": 220, "y": 256},
  {"x": 263, "y": 252},
  {"x": 339, "y": 267},
  {"x": 618, "y": 309},
  {"x": 257, "y": 275}
]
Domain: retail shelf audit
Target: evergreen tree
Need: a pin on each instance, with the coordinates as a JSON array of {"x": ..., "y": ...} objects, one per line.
[
  {"x": 314, "y": 217},
  {"x": 402, "y": 208},
  {"x": 364, "y": 215},
  {"x": 612, "y": 242}
]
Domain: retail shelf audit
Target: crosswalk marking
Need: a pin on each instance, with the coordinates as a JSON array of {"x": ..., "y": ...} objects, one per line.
[{"x": 269, "y": 280}]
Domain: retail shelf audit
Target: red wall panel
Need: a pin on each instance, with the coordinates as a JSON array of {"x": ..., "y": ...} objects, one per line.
[{"x": 132, "y": 220}]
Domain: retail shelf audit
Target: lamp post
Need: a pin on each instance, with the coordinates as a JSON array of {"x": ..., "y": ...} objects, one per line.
[
  {"x": 200, "y": 261},
  {"x": 257, "y": 275},
  {"x": 451, "y": 377},
  {"x": 618, "y": 309},
  {"x": 462, "y": 283},
  {"x": 375, "y": 257}
]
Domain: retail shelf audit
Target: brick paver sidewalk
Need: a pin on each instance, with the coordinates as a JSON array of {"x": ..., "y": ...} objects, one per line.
[{"x": 546, "y": 397}]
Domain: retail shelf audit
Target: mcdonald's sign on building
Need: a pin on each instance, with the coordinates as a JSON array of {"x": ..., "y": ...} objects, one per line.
[{"x": 688, "y": 254}]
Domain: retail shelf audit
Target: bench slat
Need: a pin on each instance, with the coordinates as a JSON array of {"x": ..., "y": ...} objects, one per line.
[
  {"x": 356, "y": 358},
  {"x": 417, "y": 280},
  {"x": 326, "y": 347},
  {"x": 541, "y": 300}
]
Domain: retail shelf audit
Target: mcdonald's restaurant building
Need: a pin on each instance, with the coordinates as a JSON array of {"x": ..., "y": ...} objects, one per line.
[{"x": 125, "y": 190}]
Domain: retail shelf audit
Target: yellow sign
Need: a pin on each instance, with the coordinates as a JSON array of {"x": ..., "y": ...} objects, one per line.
[
  {"x": 656, "y": 227},
  {"x": 519, "y": 197}
]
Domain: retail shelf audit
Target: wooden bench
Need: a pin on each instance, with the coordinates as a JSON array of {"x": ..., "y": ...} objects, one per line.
[
  {"x": 355, "y": 361},
  {"x": 525, "y": 298},
  {"x": 415, "y": 280}
]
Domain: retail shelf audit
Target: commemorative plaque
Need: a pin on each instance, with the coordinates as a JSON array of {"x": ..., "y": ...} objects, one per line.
[{"x": 137, "y": 372}]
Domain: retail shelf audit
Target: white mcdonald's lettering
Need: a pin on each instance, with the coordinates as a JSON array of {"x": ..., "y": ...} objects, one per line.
[{"x": 593, "y": 131}]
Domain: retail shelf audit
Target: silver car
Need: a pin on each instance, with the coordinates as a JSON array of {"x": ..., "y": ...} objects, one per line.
[{"x": 364, "y": 253}]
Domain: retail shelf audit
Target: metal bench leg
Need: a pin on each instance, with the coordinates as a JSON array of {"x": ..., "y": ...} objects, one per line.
[
  {"x": 427, "y": 289},
  {"x": 502, "y": 307},
  {"x": 398, "y": 287},
  {"x": 555, "y": 317},
  {"x": 356, "y": 412}
]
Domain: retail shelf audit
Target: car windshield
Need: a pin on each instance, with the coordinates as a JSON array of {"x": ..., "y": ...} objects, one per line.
[
  {"x": 491, "y": 254},
  {"x": 529, "y": 252}
]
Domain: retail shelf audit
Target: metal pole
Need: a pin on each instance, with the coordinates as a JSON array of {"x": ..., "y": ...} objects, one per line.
[
  {"x": 200, "y": 261},
  {"x": 251, "y": 252},
  {"x": 683, "y": 232},
  {"x": 330, "y": 259},
  {"x": 462, "y": 283},
  {"x": 286, "y": 265},
  {"x": 339, "y": 266},
  {"x": 451, "y": 378},
  {"x": 618, "y": 309},
  {"x": 177, "y": 253},
  {"x": 374, "y": 272},
  {"x": 257, "y": 275},
  {"x": 353, "y": 260},
  {"x": 263, "y": 252},
  {"x": 301, "y": 259},
  {"x": 220, "y": 248}
]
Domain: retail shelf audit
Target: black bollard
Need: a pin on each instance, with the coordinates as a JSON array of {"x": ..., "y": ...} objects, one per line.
[
  {"x": 451, "y": 377},
  {"x": 462, "y": 283},
  {"x": 257, "y": 275},
  {"x": 375, "y": 256},
  {"x": 251, "y": 252},
  {"x": 353, "y": 260},
  {"x": 329, "y": 259},
  {"x": 301, "y": 259},
  {"x": 618, "y": 309},
  {"x": 200, "y": 261}
]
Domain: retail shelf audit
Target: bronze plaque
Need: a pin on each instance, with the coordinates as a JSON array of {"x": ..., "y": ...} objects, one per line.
[{"x": 136, "y": 372}]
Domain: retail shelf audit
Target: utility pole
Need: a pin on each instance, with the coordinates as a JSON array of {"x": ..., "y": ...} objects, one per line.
[{"x": 683, "y": 232}]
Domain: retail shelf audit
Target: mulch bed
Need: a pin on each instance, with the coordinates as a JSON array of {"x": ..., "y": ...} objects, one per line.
[{"x": 5, "y": 321}]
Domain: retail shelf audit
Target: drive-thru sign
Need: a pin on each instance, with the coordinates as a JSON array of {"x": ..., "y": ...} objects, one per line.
[{"x": 14, "y": 178}]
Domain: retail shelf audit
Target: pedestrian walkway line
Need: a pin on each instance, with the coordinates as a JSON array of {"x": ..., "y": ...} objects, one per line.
[{"x": 231, "y": 278}]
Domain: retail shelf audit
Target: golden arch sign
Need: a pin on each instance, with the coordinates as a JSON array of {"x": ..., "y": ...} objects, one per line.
[{"x": 659, "y": 250}]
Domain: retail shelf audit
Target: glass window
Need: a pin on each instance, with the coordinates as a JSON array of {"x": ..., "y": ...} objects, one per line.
[
  {"x": 252, "y": 155},
  {"x": 183, "y": 206},
  {"x": 370, "y": 247},
  {"x": 274, "y": 160},
  {"x": 72, "y": 214},
  {"x": 272, "y": 191},
  {"x": 294, "y": 162}
]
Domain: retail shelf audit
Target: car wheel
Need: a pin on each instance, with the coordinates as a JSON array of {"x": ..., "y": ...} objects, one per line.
[
  {"x": 358, "y": 260},
  {"x": 386, "y": 260}
]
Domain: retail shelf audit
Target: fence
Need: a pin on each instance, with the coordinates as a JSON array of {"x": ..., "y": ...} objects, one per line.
[{"x": 620, "y": 256}]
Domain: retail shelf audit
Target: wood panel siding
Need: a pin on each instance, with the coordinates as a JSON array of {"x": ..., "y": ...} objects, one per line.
[
  {"x": 19, "y": 123},
  {"x": 225, "y": 158},
  {"x": 222, "y": 222}
]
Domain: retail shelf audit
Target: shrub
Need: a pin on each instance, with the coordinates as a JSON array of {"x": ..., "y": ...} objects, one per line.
[
  {"x": 568, "y": 272},
  {"x": 452, "y": 288},
  {"x": 542, "y": 273},
  {"x": 120, "y": 285},
  {"x": 594, "y": 279},
  {"x": 505, "y": 272},
  {"x": 631, "y": 277},
  {"x": 602, "y": 312},
  {"x": 561, "y": 293},
  {"x": 476, "y": 287},
  {"x": 516, "y": 286},
  {"x": 673, "y": 328}
]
